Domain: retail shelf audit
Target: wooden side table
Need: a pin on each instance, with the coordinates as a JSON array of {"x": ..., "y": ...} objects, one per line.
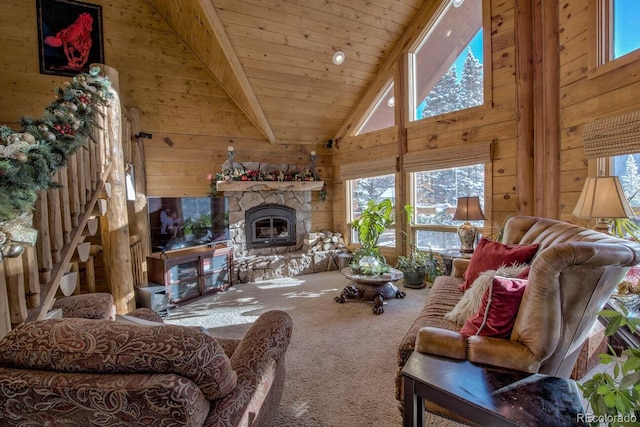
[
  {"x": 488, "y": 395},
  {"x": 448, "y": 255}
]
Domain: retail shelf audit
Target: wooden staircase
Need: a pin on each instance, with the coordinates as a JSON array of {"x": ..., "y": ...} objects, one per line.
[{"x": 91, "y": 197}]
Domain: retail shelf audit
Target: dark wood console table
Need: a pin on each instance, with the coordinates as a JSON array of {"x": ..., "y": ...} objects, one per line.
[{"x": 487, "y": 395}]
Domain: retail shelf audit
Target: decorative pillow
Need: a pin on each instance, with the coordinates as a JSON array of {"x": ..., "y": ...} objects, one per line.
[
  {"x": 489, "y": 255},
  {"x": 83, "y": 345},
  {"x": 471, "y": 300},
  {"x": 499, "y": 309}
]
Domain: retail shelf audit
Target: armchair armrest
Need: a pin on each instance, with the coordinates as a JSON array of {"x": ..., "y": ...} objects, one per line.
[
  {"x": 258, "y": 361},
  {"x": 502, "y": 352},
  {"x": 459, "y": 266}
]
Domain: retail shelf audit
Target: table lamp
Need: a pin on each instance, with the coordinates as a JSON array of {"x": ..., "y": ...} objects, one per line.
[
  {"x": 468, "y": 209},
  {"x": 602, "y": 198}
]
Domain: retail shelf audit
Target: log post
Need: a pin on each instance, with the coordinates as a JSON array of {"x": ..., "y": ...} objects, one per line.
[
  {"x": 117, "y": 255},
  {"x": 15, "y": 290},
  {"x": 5, "y": 316}
]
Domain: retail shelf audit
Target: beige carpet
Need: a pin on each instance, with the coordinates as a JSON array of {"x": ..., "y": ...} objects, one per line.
[{"x": 341, "y": 363}]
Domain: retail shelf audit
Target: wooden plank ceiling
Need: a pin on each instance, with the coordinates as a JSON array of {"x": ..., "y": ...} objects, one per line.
[{"x": 274, "y": 57}]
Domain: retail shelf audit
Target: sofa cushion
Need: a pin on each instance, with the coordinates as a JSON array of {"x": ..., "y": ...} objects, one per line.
[
  {"x": 499, "y": 309},
  {"x": 83, "y": 345},
  {"x": 490, "y": 255},
  {"x": 471, "y": 301}
]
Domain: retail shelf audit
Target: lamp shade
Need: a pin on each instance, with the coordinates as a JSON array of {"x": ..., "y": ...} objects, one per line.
[
  {"x": 468, "y": 209},
  {"x": 602, "y": 197}
]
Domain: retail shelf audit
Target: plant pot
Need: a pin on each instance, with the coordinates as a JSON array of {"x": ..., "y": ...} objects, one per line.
[{"x": 414, "y": 279}]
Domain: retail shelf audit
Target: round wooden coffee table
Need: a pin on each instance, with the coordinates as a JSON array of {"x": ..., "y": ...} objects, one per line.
[{"x": 374, "y": 288}]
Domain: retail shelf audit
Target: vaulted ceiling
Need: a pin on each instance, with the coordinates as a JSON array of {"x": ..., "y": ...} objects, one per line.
[{"x": 274, "y": 57}]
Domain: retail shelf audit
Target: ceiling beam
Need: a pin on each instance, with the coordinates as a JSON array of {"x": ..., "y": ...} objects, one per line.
[{"x": 199, "y": 27}]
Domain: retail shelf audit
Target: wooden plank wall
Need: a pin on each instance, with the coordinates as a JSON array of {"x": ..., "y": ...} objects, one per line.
[
  {"x": 191, "y": 118},
  {"x": 585, "y": 95}
]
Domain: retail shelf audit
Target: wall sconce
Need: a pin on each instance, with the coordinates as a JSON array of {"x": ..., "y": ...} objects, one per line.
[
  {"x": 602, "y": 198},
  {"x": 339, "y": 57},
  {"x": 468, "y": 209}
]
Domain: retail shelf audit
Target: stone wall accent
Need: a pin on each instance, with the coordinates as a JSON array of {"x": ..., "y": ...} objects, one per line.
[
  {"x": 266, "y": 267},
  {"x": 322, "y": 251}
]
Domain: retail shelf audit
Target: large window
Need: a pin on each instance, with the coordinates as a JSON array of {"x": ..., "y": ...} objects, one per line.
[
  {"x": 616, "y": 32},
  {"x": 376, "y": 188},
  {"x": 382, "y": 114},
  {"x": 447, "y": 65},
  {"x": 435, "y": 195}
]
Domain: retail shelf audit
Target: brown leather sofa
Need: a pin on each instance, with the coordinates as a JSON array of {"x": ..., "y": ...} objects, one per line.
[
  {"x": 572, "y": 275},
  {"x": 87, "y": 372}
]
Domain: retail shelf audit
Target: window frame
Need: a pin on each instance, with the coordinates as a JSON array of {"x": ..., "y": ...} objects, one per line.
[
  {"x": 414, "y": 228},
  {"x": 380, "y": 97},
  {"x": 410, "y": 102},
  {"x": 600, "y": 33},
  {"x": 387, "y": 249}
]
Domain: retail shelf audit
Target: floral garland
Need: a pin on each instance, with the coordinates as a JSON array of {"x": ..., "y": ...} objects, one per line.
[
  {"x": 254, "y": 175},
  {"x": 29, "y": 158}
]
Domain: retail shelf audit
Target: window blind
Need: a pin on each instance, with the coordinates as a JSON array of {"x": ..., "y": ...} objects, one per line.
[
  {"x": 447, "y": 157},
  {"x": 612, "y": 136},
  {"x": 368, "y": 168}
]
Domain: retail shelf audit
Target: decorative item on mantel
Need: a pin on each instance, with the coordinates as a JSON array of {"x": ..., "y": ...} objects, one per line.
[
  {"x": 30, "y": 157},
  {"x": 236, "y": 177}
]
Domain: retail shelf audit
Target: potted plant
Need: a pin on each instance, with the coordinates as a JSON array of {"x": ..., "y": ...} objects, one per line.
[
  {"x": 370, "y": 225},
  {"x": 615, "y": 399},
  {"x": 418, "y": 267}
]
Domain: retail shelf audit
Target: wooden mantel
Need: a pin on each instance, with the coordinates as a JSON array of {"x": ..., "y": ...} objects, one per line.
[{"x": 269, "y": 185}]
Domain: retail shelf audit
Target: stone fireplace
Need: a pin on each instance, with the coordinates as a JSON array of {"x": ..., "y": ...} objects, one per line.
[{"x": 270, "y": 227}]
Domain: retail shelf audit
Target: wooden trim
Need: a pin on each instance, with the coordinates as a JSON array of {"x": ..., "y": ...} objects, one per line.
[{"x": 269, "y": 185}]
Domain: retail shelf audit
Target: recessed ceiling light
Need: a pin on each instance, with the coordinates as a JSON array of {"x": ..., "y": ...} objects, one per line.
[
  {"x": 457, "y": 3},
  {"x": 338, "y": 57},
  {"x": 391, "y": 101}
]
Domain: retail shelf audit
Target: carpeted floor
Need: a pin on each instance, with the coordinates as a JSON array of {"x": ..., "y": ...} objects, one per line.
[{"x": 341, "y": 363}]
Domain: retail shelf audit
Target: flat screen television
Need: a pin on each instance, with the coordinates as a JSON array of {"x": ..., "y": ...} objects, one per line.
[{"x": 183, "y": 222}]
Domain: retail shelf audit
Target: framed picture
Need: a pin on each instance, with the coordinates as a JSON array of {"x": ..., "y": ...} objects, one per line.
[{"x": 69, "y": 36}]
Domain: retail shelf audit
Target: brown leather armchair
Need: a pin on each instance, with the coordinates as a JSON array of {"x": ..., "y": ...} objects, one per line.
[{"x": 572, "y": 275}]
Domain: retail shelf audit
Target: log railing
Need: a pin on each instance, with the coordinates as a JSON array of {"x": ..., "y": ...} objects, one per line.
[{"x": 91, "y": 191}]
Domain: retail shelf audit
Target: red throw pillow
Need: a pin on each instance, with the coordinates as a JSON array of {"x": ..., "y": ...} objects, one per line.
[
  {"x": 499, "y": 309},
  {"x": 491, "y": 255}
]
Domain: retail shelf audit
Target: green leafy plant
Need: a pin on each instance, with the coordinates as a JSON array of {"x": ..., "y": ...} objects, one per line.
[
  {"x": 370, "y": 225},
  {"x": 198, "y": 227},
  {"x": 616, "y": 398}
]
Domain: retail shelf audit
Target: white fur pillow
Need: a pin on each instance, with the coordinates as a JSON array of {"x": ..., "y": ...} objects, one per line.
[{"x": 471, "y": 300}]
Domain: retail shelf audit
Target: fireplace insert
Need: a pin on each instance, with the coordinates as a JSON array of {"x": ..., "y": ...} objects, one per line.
[{"x": 269, "y": 225}]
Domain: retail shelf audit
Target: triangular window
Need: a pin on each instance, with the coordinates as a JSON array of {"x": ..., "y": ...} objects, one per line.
[{"x": 383, "y": 114}]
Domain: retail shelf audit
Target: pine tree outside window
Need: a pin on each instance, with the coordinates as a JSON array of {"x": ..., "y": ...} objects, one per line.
[{"x": 446, "y": 68}]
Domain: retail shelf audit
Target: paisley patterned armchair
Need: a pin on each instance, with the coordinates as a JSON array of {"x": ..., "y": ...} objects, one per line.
[{"x": 82, "y": 372}]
